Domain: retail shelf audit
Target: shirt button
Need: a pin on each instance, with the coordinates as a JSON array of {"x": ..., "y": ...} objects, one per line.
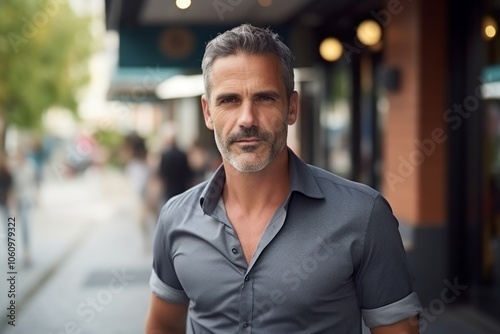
[
  {"x": 247, "y": 279},
  {"x": 234, "y": 250},
  {"x": 245, "y": 324}
]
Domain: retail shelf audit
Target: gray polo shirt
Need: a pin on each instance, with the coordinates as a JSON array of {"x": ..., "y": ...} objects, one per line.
[{"x": 330, "y": 255}]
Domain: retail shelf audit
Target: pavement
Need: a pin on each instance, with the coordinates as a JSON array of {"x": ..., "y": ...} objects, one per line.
[{"x": 91, "y": 266}]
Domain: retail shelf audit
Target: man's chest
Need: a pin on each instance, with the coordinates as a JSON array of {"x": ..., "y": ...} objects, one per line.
[
  {"x": 249, "y": 230},
  {"x": 294, "y": 269}
]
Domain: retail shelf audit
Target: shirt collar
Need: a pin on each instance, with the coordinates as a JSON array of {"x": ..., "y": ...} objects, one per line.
[{"x": 302, "y": 180}]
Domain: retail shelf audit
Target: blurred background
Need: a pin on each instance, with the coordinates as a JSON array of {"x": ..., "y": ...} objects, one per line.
[{"x": 101, "y": 123}]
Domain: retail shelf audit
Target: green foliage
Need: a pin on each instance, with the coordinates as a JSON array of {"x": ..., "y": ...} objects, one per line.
[
  {"x": 44, "y": 53},
  {"x": 112, "y": 142},
  {"x": 110, "y": 139}
]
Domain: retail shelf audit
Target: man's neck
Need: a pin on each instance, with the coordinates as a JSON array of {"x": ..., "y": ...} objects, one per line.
[{"x": 255, "y": 191}]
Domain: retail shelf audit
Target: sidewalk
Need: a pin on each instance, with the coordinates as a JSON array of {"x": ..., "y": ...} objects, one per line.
[{"x": 83, "y": 233}]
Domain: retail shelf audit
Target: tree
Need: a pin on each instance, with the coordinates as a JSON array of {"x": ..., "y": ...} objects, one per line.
[{"x": 44, "y": 53}]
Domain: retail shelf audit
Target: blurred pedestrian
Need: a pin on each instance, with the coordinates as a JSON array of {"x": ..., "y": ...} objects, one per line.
[
  {"x": 134, "y": 153},
  {"x": 25, "y": 188},
  {"x": 138, "y": 172},
  {"x": 5, "y": 192},
  {"x": 38, "y": 157},
  {"x": 174, "y": 170}
]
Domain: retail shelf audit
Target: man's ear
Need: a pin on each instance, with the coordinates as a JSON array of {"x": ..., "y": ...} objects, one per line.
[
  {"x": 206, "y": 112},
  {"x": 293, "y": 108}
]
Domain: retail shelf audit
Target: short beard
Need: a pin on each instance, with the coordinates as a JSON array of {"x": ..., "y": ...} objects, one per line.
[{"x": 253, "y": 132}]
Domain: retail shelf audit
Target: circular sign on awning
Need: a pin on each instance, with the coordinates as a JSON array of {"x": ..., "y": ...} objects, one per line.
[{"x": 176, "y": 43}]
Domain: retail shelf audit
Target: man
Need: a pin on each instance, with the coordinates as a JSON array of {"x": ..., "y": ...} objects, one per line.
[{"x": 270, "y": 244}]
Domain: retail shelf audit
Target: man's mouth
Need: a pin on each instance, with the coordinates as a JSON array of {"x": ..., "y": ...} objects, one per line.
[{"x": 251, "y": 140}]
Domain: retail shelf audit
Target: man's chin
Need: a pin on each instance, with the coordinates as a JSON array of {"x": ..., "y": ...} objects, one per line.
[
  {"x": 248, "y": 164},
  {"x": 247, "y": 148},
  {"x": 248, "y": 169}
]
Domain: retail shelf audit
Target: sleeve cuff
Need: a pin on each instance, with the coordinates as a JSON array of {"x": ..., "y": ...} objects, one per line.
[
  {"x": 165, "y": 292},
  {"x": 392, "y": 313}
]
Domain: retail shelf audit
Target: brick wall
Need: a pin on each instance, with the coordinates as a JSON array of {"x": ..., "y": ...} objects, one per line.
[{"x": 414, "y": 142}]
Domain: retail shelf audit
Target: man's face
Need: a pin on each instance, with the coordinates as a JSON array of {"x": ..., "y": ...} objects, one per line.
[{"x": 248, "y": 110}]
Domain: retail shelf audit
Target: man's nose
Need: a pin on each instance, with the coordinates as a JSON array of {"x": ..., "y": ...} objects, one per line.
[{"x": 248, "y": 116}]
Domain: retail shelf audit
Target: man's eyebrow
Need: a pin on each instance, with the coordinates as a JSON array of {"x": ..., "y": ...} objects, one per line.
[{"x": 269, "y": 93}]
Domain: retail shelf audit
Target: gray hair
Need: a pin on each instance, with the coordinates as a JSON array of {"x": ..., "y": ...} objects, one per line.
[{"x": 250, "y": 40}]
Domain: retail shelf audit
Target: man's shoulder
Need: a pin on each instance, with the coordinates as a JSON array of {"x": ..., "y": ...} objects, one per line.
[
  {"x": 187, "y": 200},
  {"x": 331, "y": 183}
]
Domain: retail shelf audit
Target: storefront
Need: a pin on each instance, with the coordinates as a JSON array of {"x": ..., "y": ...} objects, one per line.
[{"x": 407, "y": 117}]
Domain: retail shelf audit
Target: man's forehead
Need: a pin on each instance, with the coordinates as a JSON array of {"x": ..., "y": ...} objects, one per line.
[
  {"x": 242, "y": 59},
  {"x": 235, "y": 69},
  {"x": 228, "y": 74}
]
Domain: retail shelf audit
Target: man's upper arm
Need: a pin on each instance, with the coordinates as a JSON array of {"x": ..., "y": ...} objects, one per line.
[
  {"x": 169, "y": 302},
  {"x": 408, "y": 326},
  {"x": 166, "y": 318},
  {"x": 383, "y": 279},
  {"x": 164, "y": 281}
]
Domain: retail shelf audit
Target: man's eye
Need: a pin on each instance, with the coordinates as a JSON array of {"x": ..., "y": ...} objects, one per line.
[
  {"x": 265, "y": 98},
  {"x": 229, "y": 100}
]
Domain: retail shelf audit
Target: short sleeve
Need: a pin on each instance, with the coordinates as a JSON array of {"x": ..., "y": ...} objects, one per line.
[
  {"x": 164, "y": 282},
  {"x": 383, "y": 279}
]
